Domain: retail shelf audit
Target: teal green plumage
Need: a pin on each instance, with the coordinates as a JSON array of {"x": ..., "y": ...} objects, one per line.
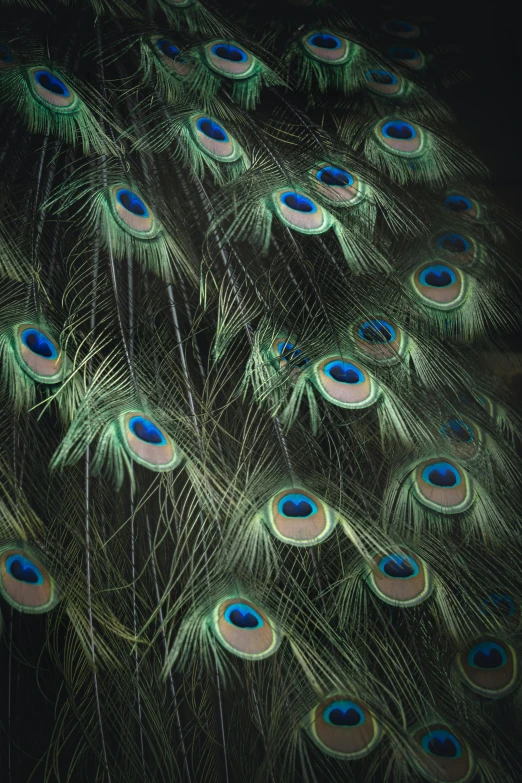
[{"x": 259, "y": 496}]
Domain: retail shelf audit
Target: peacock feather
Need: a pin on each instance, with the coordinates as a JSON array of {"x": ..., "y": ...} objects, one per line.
[{"x": 259, "y": 481}]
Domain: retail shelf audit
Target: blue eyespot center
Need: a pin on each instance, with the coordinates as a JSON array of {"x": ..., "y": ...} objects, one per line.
[
  {"x": 132, "y": 203},
  {"x": 344, "y": 713},
  {"x": 399, "y": 27},
  {"x": 458, "y": 430},
  {"x": 458, "y": 203},
  {"x": 295, "y": 505},
  {"x": 454, "y": 243},
  {"x": 499, "y": 603},
  {"x": 403, "y": 53},
  {"x": 333, "y": 176},
  {"x": 229, "y": 52},
  {"x": 211, "y": 129},
  {"x": 167, "y": 48},
  {"x": 243, "y": 616},
  {"x": 487, "y": 655},
  {"x": 5, "y": 54},
  {"x": 397, "y": 129},
  {"x": 441, "y": 474},
  {"x": 39, "y": 343},
  {"x": 24, "y": 570},
  {"x": 288, "y": 351},
  {"x": 441, "y": 743},
  {"x": 325, "y": 41},
  {"x": 298, "y": 202},
  {"x": 344, "y": 372},
  {"x": 145, "y": 430},
  {"x": 52, "y": 83},
  {"x": 437, "y": 276},
  {"x": 398, "y": 566},
  {"x": 377, "y": 331},
  {"x": 381, "y": 77}
]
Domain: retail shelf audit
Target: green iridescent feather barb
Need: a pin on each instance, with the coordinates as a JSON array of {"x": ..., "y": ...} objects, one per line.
[{"x": 259, "y": 491}]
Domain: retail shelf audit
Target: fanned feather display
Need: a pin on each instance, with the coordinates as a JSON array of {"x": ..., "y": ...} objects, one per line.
[{"x": 260, "y": 487}]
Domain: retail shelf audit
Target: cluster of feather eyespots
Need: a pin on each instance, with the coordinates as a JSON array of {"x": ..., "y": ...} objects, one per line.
[
  {"x": 24, "y": 581},
  {"x": 37, "y": 353},
  {"x": 459, "y": 204},
  {"x": 400, "y": 29},
  {"x": 408, "y": 56},
  {"x": 379, "y": 338},
  {"x": 51, "y": 90},
  {"x": 244, "y": 629},
  {"x": 230, "y": 60},
  {"x": 170, "y": 55},
  {"x": 345, "y": 383},
  {"x": 400, "y": 137},
  {"x": 214, "y": 140},
  {"x": 343, "y": 727},
  {"x": 327, "y": 48},
  {"x": 439, "y": 754},
  {"x": 147, "y": 443},
  {"x": 298, "y": 517},
  {"x": 442, "y": 485},
  {"x": 339, "y": 186},
  {"x": 489, "y": 667},
  {"x": 400, "y": 578},
  {"x": 300, "y": 212}
]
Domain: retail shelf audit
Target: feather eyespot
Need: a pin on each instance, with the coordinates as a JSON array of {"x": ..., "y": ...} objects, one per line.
[
  {"x": 147, "y": 443},
  {"x": 401, "y": 29},
  {"x": 379, "y": 338},
  {"x": 406, "y": 55},
  {"x": 297, "y": 517},
  {"x": 338, "y": 185},
  {"x": 461, "y": 248},
  {"x": 244, "y": 629},
  {"x": 464, "y": 438},
  {"x": 439, "y": 285},
  {"x": 300, "y": 212},
  {"x": 51, "y": 90},
  {"x": 214, "y": 140},
  {"x": 38, "y": 354},
  {"x": 442, "y": 485},
  {"x": 343, "y": 727},
  {"x": 131, "y": 212},
  {"x": 345, "y": 383},
  {"x": 170, "y": 55},
  {"x": 400, "y": 137},
  {"x": 383, "y": 82},
  {"x": 287, "y": 351},
  {"x": 328, "y": 48},
  {"x": 441, "y": 755},
  {"x": 500, "y": 607},
  {"x": 6, "y": 56},
  {"x": 461, "y": 205},
  {"x": 24, "y": 581},
  {"x": 489, "y": 667},
  {"x": 230, "y": 60},
  {"x": 400, "y": 579}
]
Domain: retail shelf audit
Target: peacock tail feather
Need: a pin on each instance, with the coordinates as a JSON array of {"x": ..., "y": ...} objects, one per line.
[{"x": 259, "y": 483}]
